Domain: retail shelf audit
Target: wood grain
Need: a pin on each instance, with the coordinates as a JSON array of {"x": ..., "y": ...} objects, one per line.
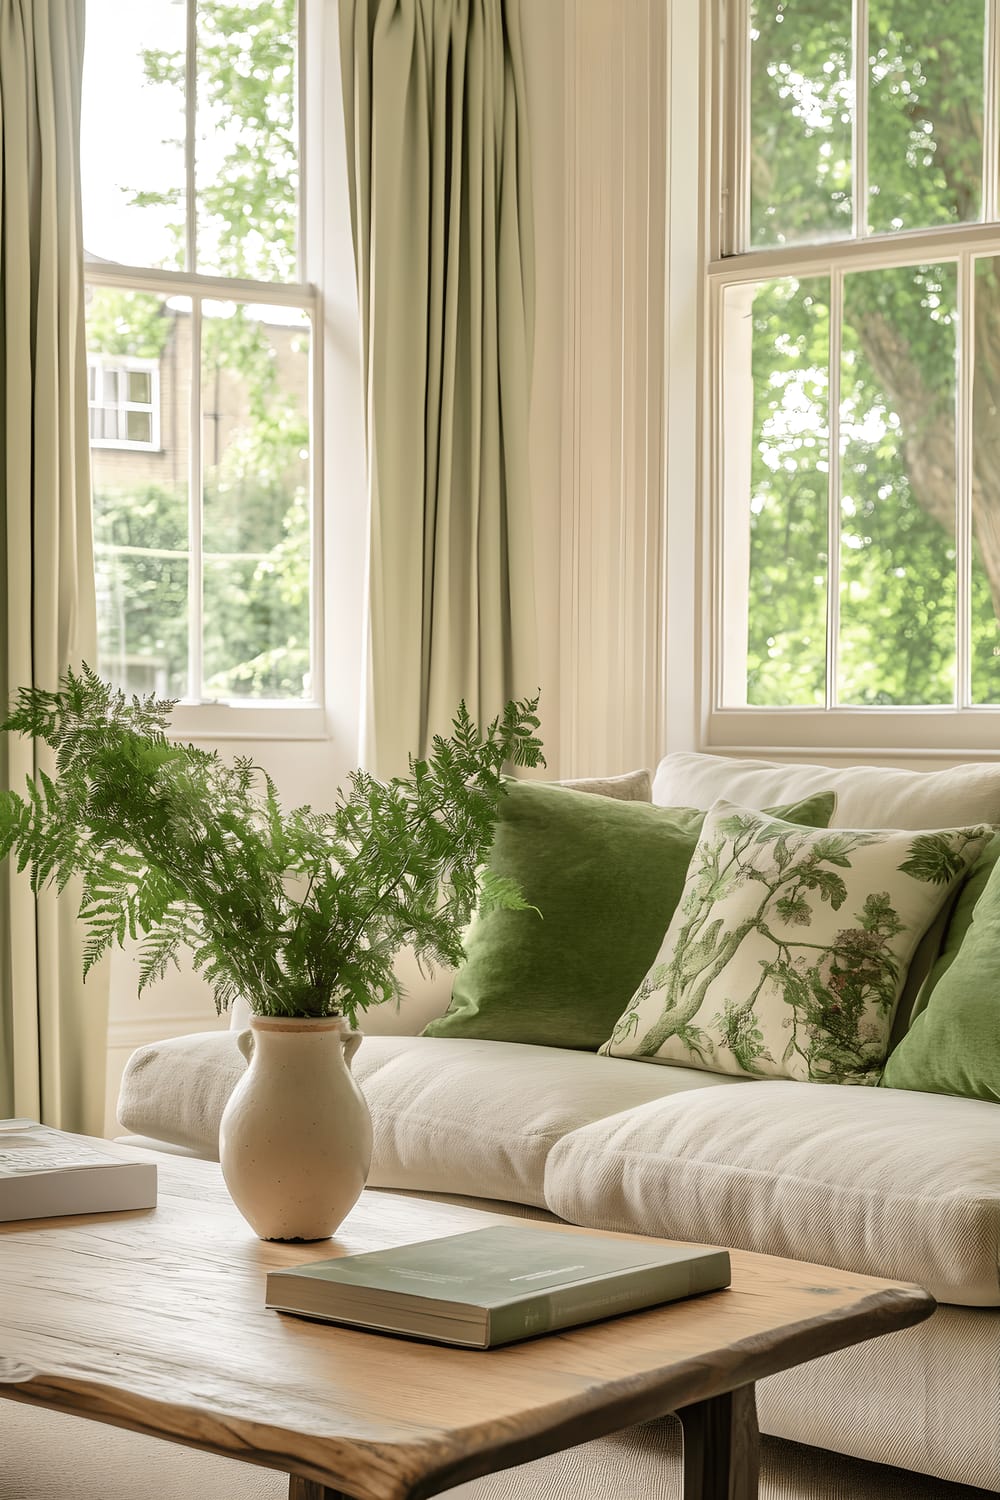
[
  {"x": 721, "y": 1446},
  {"x": 155, "y": 1321},
  {"x": 305, "y": 1489}
]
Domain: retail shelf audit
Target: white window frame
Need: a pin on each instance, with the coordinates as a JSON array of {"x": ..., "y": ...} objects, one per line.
[
  {"x": 122, "y": 364},
  {"x": 250, "y": 719},
  {"x": 832, "y": 730}
]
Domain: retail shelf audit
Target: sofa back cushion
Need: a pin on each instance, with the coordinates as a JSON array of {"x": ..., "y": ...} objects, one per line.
[
  {"x": 871, "y": 1180},
  {"x": 867, "y": 796}
]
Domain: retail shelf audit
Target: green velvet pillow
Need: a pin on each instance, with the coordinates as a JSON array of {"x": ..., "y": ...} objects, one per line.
[
  {"x": 953, "y": 1045},
  {"x": 605, "y": 876}
]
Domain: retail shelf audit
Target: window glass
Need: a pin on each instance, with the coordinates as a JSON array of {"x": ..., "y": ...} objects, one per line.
[
  {"x": 132, "y": 133},
  {"x": 801, "y": 104},
  {"x": 787, "y": 439},
  {"x": 141, "y": 501},
  {"x": 925, "y": 113},
  {"x": 246, "y": 157},
  {"x": 985, "y": 601},
  {"x": 255, "y": 416},
  {"x": 897, "y": 440}
]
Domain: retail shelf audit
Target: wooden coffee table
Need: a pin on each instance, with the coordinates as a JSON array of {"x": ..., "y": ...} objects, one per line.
[{"x": 155, "y": 1321}]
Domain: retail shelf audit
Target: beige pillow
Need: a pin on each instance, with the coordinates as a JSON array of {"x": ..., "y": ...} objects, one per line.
[
  {"x": 788, "y": 951},
  {"x": 634, "y": 786}
]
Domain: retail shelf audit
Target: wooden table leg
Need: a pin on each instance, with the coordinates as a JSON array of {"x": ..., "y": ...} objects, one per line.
[
  {"x": 308, "y": 1489},
  {"x": 721, "y": 1447}
]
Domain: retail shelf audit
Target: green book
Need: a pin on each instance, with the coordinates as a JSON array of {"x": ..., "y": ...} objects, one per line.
[{"x": 494, "y": 1286}]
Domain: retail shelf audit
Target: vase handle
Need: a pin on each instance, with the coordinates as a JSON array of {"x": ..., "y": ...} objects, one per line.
[
  {"x": 244, "y": 1040},
  {"x": 352, "y": 1041}
]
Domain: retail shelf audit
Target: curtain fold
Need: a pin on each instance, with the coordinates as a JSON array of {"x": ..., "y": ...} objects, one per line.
[
  {"x": 53, "y": 1035},
  {"x": 439, "y": 175}
]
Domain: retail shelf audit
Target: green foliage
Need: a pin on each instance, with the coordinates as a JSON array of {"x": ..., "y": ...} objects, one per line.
[
  {"x": 247, "y": 213},
  {"x": 135, "y": 323},
  {"x": 934, "y": 857},
  {"x": 301, "y": 912}
]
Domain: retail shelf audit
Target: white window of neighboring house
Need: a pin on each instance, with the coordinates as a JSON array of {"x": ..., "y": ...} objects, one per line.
[
  {"x": 200, "y": 328},
  {"x": 853, "y": 323},
  {"x": 124, "y": 400}
]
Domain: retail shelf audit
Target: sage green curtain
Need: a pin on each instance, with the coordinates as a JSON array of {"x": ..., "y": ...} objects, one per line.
[
  {"x": 52, "y": 1036},
  {"x": 438, "y": 164}
]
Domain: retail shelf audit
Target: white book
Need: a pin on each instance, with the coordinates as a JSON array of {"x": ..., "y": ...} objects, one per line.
[{"x": 45, "y": 1173}]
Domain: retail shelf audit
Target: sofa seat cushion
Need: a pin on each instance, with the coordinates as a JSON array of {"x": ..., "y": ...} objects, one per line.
[
  {"x": 479, "y": 1117},
  {"x": 893, "y": 1184},
  {"x": 470, "y": 1117}
]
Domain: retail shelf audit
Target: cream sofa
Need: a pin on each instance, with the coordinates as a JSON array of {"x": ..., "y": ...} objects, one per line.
[{"x": 874, "y": 1180}]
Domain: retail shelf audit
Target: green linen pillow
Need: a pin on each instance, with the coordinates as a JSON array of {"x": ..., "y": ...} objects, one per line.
[
  {"x": 605, "y": 876},
  {"x": 788, "y": 951},
  {"x": 958, "y": 923},
  {"x": 953, "y": 1046}
]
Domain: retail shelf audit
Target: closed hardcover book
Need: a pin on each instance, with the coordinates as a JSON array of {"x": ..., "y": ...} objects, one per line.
[
  {"x": 496, "y": 1285},
  {"x": 46, "y": 1173}
]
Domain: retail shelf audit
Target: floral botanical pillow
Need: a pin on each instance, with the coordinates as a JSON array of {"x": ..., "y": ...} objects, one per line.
[{"x": 787, "y": 953}]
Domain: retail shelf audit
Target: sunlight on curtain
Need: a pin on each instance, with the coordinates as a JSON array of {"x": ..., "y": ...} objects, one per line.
[
  {"x": 438, "y": 159},
  {"x": 52, "y": 1034}
]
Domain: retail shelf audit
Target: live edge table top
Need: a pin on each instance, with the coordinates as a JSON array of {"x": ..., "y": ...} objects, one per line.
[{"x": 155, "y": 1321}]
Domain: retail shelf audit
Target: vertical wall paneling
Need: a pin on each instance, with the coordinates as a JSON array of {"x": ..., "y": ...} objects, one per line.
[{"x": 612, "y": 528}]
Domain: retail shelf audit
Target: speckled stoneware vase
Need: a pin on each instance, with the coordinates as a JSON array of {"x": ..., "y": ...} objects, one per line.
[{"x": 295, "y": 1140}]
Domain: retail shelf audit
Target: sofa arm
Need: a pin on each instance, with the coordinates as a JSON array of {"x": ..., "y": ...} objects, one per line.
[{"x": 176, "y": 1090}]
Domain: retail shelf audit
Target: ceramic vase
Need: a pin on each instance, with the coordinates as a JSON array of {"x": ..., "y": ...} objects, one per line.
[{"x": 295, "y": 1140}]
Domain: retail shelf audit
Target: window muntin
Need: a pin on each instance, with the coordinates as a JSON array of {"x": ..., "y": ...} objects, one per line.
[
  {"x": 884, "y": 600},
  {"x": 229, "y": 573}
]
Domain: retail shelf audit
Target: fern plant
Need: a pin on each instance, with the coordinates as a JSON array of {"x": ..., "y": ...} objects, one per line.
[{"x": 301, "y": 912}]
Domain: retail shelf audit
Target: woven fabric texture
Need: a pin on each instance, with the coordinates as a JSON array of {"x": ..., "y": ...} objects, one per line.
[
  {"x": 880, "y": 1181},
  {"x": 480, "y": 1117},
  {"x": 867, "y": 796}
]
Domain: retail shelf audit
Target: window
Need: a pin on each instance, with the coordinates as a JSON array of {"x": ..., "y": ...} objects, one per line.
[
  {"x": 854, "y": 316},
  {"x": 123, "y": 396},
  {"x": 202, "y": 361}
]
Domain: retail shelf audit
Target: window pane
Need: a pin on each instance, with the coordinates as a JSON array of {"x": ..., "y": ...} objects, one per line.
[
  {"x": 801, "y": 107},
  {"x": 139, "y": 426},
  {"x": 246, "y": 150},
  {"x": 986, "y": 486},
  {"x": 925, "y": 124},
  {"x": 132, "y": 148},
  {"x": 776, "y": 461},
  {"x": 255, "y": 416},
  {"x": 139, "y": 386},
  {"x": 897, "y": 441},
  {"x": 141, "y": 500}
]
